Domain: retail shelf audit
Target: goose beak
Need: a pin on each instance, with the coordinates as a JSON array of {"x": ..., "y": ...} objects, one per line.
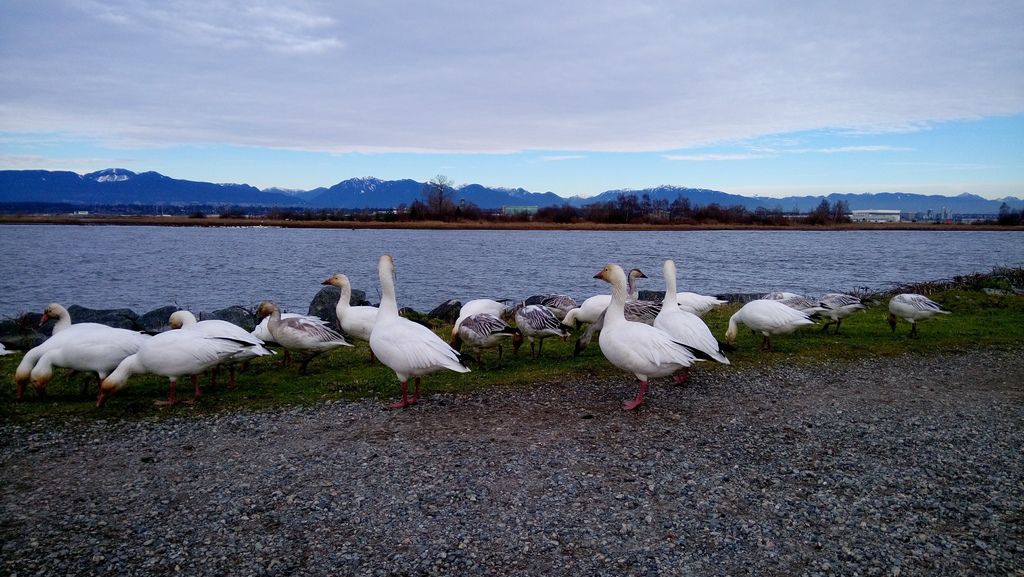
[{"x": 328, "y": 281}]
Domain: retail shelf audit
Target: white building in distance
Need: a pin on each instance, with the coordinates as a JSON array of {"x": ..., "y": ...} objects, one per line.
[{"x": 877, "y": 215}]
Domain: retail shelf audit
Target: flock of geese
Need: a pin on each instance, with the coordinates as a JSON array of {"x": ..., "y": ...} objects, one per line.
[{"x": 646, "y": 338}]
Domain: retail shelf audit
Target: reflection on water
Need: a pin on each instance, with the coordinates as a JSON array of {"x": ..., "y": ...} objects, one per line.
[{"x": 203, "y": 269}]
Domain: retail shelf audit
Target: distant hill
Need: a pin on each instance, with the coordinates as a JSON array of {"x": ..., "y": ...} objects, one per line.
[{"x": 120, "y": 186}]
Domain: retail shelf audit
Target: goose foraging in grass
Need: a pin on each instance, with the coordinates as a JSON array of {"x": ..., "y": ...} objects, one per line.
[
  {"x": 558, "y": 304},
  {"x": 98, "y": 351},
  {"x": 300, "y": 334},
  {"x": 410, "y": 349},
  {"x": 174, "y": 354},
  {"x": 64, "y": 333},
  {"x": 217, "y": 328},
  {"x": 913, "y": 307},
  {"x": 538, "y": 322},
  {"x": 838, "y": 306},
  {"x": 686, "y": 327},
  {"x": 636, "y": 347},
  {"x": 485, "y": 331},
  {"x": 767, "y": 317},
  {"x": 477, "y": 306}
]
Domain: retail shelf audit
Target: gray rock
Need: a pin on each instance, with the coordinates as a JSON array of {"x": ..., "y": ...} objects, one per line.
[
  {"x": 155, "y": 320},
  {"x": 117, "y": 318},
  {"x": 22, "y": 333},
  {"x": 447, "y": 311},
  {"x": 238, "y": 315}
]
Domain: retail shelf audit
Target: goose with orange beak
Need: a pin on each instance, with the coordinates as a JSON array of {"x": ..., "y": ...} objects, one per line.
[{"x": 636, "y": 347}]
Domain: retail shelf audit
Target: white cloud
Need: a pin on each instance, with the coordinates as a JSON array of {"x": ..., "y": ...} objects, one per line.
[
  {"x": 864, "y": 148},
  {"x": 563, "y": 157},
  {"x": 713, "y": 157},
  {"x": 484, "y": 77}
]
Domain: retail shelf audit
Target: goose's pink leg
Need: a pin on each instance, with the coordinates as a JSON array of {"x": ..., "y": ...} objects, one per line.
[
  {"x": 405, "y": 397},
  {"x": 198, "y": 393},
  {"x": 231, "y": 378},
  {"x": 172, "y": 395},
  {"x": 636, "y": 402},
  {"x": 416, "y": 395}
]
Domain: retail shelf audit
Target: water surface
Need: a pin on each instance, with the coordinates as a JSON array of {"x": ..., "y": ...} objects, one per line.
[{"x": 203, "y": 269}]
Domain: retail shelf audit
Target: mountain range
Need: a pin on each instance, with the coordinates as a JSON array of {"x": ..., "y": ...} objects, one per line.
[{"x": 119, "y": 186}]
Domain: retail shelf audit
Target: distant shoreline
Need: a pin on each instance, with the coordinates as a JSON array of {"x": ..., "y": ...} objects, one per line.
[{"x": 184, "y": 221}]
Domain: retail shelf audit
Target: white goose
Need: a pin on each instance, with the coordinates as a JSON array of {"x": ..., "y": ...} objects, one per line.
[
  {"x": 408, "y": 348},
  {"x": 173, "y": 354},
  {"x": 4, "y": 351},
  {"x": 697, "y": 304},
  {"x": 300, "y": 334},
  {"x": 636, "y": 347},
  {"x": 475, "y": 307},
  {"x": 63, "y": 333},
  {"x": 913, "y": 307},
  {"x": 767, "y": 317},
  {"x": 838, "y": 306},
  {"x": 217, "y": 328},
  {"x": 57, "y": 311},
  {"x": 538, "y": 322},
  {"x": 485, "y": 331},
  {"x": 355, "y": 321},
  {"x": 684, "y": 326},
  {"x": 592, "y": 308},
  {"x": 558, "y": 304},
  {"x": 98, "y": 351}
]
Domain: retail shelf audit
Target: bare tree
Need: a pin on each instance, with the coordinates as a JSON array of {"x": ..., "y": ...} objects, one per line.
[{"x": 439, "y": 197}]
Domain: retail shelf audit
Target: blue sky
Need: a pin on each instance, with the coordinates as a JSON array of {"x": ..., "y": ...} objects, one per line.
[{"x": 573, "y": 97}]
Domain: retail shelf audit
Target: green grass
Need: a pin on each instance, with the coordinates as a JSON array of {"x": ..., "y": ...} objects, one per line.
[{"x": 978, "y": 320}]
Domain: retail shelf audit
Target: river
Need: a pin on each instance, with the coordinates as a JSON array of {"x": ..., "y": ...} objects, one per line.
[{"x": 203, "y": 269}]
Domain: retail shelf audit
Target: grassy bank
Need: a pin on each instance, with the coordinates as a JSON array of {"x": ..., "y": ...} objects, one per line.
[{"x": 979, "y": 319}]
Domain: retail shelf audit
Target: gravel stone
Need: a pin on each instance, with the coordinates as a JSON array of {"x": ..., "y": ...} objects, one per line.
[{"x": 880, "y": 467}]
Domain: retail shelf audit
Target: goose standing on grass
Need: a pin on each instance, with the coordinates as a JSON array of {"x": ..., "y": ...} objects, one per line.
[
  {"x": 767, "y": 317},
  {"x": 538, "y": 322},
  {"x": 686, "y": 327},
  {"x": 218, "y": 328},
  {"x": 408, "y": 348},
  {"x": 475, "y": 307},
  {"x": 355, "y": 321},
  {"x": 636, "y": 347},
  {"x": 810, "y": 307},
  {"x": 838, "y": 306},
  {"x": 558, "y": 304},
  {"x": 94, "y": 351},
  {"x": 300, "y": 334},
  {"x": 484, "y": 331},
  {"x": 913, "y": 307},
  {"x": 174, "y": 354}
]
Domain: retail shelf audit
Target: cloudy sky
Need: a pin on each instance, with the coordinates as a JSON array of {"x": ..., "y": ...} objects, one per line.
[{"x": 574, "y": 97}]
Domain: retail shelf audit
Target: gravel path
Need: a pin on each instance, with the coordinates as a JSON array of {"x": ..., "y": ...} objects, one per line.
[{"x": 905, "y": 466}]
